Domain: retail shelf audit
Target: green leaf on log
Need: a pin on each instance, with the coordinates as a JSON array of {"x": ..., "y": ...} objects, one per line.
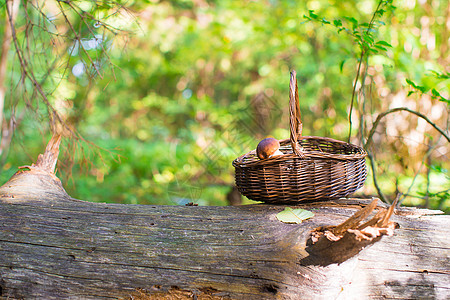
[{"x": 297, "y": 215}]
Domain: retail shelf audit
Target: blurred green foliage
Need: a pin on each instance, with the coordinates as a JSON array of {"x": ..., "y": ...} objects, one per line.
[{"x": 172, "y": 91}]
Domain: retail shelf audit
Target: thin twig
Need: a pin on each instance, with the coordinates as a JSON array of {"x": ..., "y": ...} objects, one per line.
[
  {"x": 426, "y": 157},
  {"x": 353, "y": 95},
  {"x": 53, "y": 114},
  {"x": 93, "y": 34},
  {"x": 362, "y": 110},
  {"x": 78, "y": 39},
  {"x": 370, "y": 139},
  {"x": 427, "y": 192},
  {"x": 382, "y": 115},
  {"x": 425, "y": 197},
  {"x": 375, "y": 183},
  {"x": 23, "y": 62},
  {"x": 50, "y": 66},
  {"x": 358, "y": 73}
]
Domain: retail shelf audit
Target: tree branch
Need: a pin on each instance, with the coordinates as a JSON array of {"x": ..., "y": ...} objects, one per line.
[
  {"x": 358, "y": 73},
  {"x": 353, "y": 95},
  {"x": 78, "y": 39},
  {"x": 382, "y": 115},
  {"x": 375, "y": 182},
  {"x": 24, "y": 66}
]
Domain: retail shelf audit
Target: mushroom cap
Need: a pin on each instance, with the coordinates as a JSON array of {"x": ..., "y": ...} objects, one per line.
[{"x": 267, "y": 147}]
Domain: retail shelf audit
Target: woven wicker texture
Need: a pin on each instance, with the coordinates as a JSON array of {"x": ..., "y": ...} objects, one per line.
[{"x": 312, "y": 168}]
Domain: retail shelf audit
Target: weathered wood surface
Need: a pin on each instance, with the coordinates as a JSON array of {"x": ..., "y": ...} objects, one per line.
[{"x": 56, "y": 247}]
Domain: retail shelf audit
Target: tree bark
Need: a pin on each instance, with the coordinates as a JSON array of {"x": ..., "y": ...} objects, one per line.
[{"x": 53, "y": 247}]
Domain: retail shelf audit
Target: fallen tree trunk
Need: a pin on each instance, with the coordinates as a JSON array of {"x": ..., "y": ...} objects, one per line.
[{"x": 53, "y": 246}]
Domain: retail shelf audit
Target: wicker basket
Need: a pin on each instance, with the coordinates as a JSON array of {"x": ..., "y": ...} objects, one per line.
[{"x": 312, "y": 168}]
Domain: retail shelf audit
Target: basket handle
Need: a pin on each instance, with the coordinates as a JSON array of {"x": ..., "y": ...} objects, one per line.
[{"x": 295, "y": 121}]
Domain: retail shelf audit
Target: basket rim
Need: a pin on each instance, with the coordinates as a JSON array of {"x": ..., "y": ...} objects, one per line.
[{"x": 239, "y": 162}]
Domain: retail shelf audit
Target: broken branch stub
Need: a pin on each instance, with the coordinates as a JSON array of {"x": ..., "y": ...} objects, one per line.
[
  {"x": 47, "y": 161},
  {"x": 37, "y": 180}
]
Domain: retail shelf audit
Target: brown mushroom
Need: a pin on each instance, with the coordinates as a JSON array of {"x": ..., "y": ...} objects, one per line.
[{"x": 267, "y": 148}]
